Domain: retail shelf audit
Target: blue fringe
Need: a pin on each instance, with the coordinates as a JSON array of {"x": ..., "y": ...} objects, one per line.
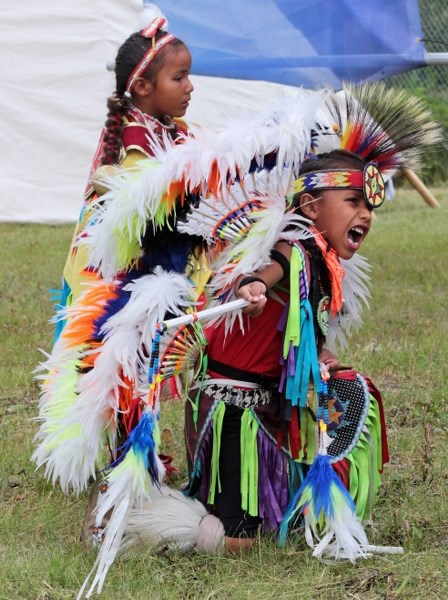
[
  {"x": 59, "y": 299},
  {"x": 307, "y": 362}
]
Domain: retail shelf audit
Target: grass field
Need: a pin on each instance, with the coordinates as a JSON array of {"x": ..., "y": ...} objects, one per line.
[{"x": 403, "y": 346}]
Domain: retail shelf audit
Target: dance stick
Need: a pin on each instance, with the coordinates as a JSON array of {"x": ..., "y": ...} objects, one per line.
[
  {"x": 214, "y": 311},
  {"x": 421, "y": 188},
  {"x": 384, "y": 549}
]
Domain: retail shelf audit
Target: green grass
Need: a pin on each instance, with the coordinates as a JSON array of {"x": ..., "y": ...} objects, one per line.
[{"x": 403, "y": 346}]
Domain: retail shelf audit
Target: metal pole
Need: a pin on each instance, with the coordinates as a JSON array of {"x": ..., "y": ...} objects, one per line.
[{"x": 436, "y": 58}]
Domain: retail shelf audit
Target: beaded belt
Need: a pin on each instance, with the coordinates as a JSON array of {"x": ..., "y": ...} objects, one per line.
[{"x": 237, "y": 393}]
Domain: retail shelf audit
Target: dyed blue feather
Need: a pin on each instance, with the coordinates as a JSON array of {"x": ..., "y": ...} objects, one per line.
[
  {"x": 111, "y": 307},
  {"x": 319, "y": 483},
  {"x": 142, "y": 441}
]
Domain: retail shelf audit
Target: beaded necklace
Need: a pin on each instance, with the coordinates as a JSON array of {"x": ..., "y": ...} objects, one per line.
[{"x": 151, "y": 122}]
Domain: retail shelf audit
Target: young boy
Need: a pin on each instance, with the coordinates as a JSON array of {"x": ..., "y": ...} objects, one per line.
[{"x": 245, "y": 372}]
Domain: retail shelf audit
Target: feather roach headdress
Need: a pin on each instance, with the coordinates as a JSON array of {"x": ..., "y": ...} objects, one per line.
[{"x": 387, "y": 128}]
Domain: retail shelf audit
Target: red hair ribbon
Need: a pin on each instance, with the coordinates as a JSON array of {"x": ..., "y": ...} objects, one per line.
[{"x": 153, "y": 27}]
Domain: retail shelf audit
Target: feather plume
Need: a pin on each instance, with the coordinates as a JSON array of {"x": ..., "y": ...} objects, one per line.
[
  {"x": 151, "y": 297},
  {"x": 148, "y": 14},
  {"x": 110, "y": 546},
  {"x": 128, "y": 484},
  {"x": 61, "y": 444},
  {"x": 329, "y": 513},
  {"x": 385, "y": 125}
]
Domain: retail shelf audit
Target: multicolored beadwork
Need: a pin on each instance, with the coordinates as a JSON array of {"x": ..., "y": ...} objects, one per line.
[
  {"x": 369, "y": 180},
  {"x": 374, "y": 187},
  {"x": 328, "y": 180},
  {"x": 323, "y": 315}
]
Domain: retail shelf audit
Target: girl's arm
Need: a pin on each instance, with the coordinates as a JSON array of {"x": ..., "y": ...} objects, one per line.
[{"x": 254, "y": 287}]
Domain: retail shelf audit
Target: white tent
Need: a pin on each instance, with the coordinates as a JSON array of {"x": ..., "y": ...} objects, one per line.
[{"x": 53, "y": 59}]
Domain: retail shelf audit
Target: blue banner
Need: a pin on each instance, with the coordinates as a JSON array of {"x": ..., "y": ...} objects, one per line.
[{"x": 299, "y": 42}]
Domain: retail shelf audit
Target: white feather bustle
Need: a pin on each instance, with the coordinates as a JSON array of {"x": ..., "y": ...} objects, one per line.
[{"x": 75, "y": 407}]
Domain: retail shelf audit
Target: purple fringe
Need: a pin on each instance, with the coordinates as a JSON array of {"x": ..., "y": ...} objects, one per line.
[
  {"x": 273, "y": 482},
  {"x": 204, "y": 458},
  {"x": 273, "y": 477}
]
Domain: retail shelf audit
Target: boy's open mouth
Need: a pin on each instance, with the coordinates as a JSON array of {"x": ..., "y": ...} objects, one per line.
[{"x": 355, "y": 236}]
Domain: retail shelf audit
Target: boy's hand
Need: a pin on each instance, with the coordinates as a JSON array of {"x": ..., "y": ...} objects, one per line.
[
  {"x": 255, "y": 293},
  {"x": 331, "y": 362}
]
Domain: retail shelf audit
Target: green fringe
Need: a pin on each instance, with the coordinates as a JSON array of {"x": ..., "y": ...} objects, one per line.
[
  {"x": 292, "y": 330},
  {"x": 217, "y": 418},
  {"x": 365, "y": 462},
  {"x": 249, "y": 462}
]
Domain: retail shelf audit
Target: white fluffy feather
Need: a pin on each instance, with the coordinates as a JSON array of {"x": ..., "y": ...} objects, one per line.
[
  {"x": 356, "y": 294},
  {"x": 343, "y": 538},
  {"x": 62, "y": 446},
  {"x": 168, "y": 519},
  {"x": 148, "y": 14},
  {"x": 152, "y": 296},
  {"x": 109, "y": 549}
]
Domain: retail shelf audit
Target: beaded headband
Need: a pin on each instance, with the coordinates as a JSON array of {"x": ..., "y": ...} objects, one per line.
[
  {"x": 150, "y": 32},
  {"x": 369, "y": 180}
]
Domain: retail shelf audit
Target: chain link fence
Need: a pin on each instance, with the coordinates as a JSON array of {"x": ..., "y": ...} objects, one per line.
[{"x": 431, "y": 82}]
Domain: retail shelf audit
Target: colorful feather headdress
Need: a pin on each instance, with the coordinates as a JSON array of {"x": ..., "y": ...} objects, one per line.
[{"x": 385, "y": 127}]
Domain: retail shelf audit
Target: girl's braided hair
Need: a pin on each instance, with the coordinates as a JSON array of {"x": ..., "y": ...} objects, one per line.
[{"x": 129, "y": 55}]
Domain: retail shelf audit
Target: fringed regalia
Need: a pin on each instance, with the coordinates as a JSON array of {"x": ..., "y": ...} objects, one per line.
[
  {"x": 278, "y": 424},
  {"x": 101, "y": 386}
]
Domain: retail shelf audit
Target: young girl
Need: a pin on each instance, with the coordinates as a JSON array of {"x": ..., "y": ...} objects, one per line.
[{"x": 153, "y": 90}]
